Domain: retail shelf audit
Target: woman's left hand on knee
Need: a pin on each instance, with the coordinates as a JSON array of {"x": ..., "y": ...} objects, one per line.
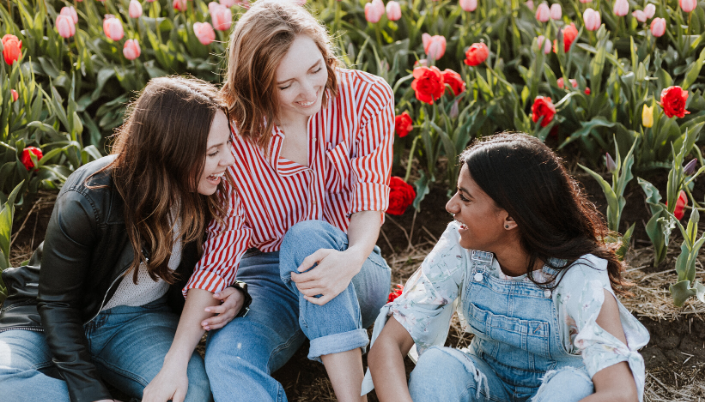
[
  {"x": 232, "y": 300},
  {"x": 329, "y": 278}
]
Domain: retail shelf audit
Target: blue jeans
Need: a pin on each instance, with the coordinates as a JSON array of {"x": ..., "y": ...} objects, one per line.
[
  {"x": 241, "y": 356},
  {"x": 127, "y": 345}
]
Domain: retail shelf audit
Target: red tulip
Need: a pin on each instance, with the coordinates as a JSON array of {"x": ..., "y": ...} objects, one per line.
[
  {"x": 12, "y": 48},
  {"x": 454, "y": 80},
  {"x": 434, "y": 46},
  {"x": 65, "y": 26},
  {"x": 131, "y": 49},
  {"x": 401, "y": 195},
  {"x": 476, "y": 54},
  {"x": 569, "y": 35},
  {"x": 681, "y": 202},
  {"x": 543, "y": 107},
  {"x": 393, "y": 11},
  {"x": 561, "y": 83},
  {"x": 135, "y": 9},
  {"x": 15, "y": 95},
  {"x": 26, "y": 159},
  {"x": 204, "y": 32},
  {"x": 543, "y": 13},
  {"x": 592, "y": 19},
  {"x": 658, "y": 27},
  {"x": 374, "y": 11},
  {"x": 403, "y": 124},
  {"x": 399, "y": 289},
  {"x": 113, "y": 28},
  {"x": 428, "y": 84},
  {"x": 673, "y": 101}
]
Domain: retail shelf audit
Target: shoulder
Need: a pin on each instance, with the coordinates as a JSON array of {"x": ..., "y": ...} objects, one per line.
[
  {"x": 88, "y": 189},
  {"x": 374, "y": 89},
  {"x": 87, "y": 176},
  {"x": 587, "y": 269}
]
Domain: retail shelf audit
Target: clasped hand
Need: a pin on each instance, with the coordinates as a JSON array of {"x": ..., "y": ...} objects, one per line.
[{"x": 330, "y": 277}]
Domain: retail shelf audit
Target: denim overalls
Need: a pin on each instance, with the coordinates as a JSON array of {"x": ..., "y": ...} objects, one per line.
[{"x": 516, "y": 348}]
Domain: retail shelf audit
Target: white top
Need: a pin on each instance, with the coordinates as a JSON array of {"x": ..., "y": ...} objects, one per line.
[{"x": 146, "y": 290}]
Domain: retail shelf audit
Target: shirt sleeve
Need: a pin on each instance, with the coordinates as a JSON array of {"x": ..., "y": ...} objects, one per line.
[
  {"x": 581, "y": 294},
  {"x": 372, "y": 162},
  {"x": 225, "y": 245}
]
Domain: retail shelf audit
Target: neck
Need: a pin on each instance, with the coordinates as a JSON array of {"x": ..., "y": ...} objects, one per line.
[{"x": 513, "y": 259}]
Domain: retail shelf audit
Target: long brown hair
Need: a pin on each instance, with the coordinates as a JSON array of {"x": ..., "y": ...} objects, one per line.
[
  {"x": 554, "y": 218},
  {"x": 160, "y": 154},
  {"x": 258, "y": 44}
]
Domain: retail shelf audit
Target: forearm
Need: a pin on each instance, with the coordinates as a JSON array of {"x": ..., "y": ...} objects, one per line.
[
  {"x": 386, "y": 361},
  {"x": 189, "y": 332},
  {"x": 363, "y": 233}
]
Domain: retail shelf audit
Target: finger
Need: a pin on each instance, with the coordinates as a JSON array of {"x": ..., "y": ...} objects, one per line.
[
  {"x": 218, "y": 309},
  {"x": 312, "y": 292},
  {"x": 217, "y": 321},
  {"x": 179, "y": 396},
  {"x": 221, "y": 323},
  {"x": 308, "y": 262},
  {"x": 317, "y": 300}
]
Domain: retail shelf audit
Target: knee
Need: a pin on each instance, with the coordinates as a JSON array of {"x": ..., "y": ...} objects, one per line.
[
  {"x": 432, "y": 365},
  {"x": 568, "y": 384},
  {"x": 308, "y": 236}
]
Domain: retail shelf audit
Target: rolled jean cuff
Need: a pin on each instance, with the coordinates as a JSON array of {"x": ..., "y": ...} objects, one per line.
[{"x": 337, "y": 343}]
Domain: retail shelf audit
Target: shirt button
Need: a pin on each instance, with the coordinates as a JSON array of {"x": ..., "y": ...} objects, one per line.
[
  {"x": 478, "y": 277},
  {"x": 547, "y": 293}
]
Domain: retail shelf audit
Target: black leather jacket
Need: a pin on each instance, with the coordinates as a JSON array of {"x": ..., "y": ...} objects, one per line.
[{"x": 83, "y": 257}]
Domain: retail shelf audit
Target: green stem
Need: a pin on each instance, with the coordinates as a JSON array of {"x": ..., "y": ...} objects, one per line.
[{"x": 411, "y": 158}]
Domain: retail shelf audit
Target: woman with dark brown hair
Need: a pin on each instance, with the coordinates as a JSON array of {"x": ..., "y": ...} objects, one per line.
[
  {"x": 525, "y": 266},
  {"x": 124, "y": 236}
]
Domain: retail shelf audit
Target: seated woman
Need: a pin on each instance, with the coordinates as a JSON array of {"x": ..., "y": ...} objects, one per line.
[
  {"x": 313, "y": 154},
  {"x": 124, "y": 236},
  {"x": 525, "y": 266}
]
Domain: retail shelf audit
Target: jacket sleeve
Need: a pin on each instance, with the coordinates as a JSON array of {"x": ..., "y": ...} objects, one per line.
[{"x": 68, "y": 246}]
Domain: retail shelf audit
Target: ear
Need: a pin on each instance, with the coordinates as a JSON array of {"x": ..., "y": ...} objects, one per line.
[{"x": 509, "y": 223}]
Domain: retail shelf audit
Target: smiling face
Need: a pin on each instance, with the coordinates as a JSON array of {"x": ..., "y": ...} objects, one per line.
[
  {"x": 218, "y": 155},
  {"x": 482, "y": 221},
  {"x": 301, "y": 80}
]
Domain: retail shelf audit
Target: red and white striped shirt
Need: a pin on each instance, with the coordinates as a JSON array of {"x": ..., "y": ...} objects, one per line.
[{"x": 350, "y": 159}]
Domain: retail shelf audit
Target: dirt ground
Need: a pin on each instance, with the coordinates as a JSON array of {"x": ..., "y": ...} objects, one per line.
[{"x": 675, "y": 356}]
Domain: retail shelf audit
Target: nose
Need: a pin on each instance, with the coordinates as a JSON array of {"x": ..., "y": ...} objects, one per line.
[
  {"x": 228, "y": 158},
  {"x": 309, "y": 90},
  {"x": 452, "y": 205}
]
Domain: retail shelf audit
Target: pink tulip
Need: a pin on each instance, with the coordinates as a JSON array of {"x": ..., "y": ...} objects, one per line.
[
  {"x": 222, "y": 16},
  {"x": 639, "y": 15},
  {"x": 688, "y": 5},
  {"x": 421, "y": 63},
  {"x": 621, "y": 8},
  {"x": 149, "y": 1},
  {"x": 300, "y": 2},
  {"x": 658, "y": 27},
  {"x": 70, "y": 12},
  {"x": 468, "y": 5},
  {"x": 586, "y": 1},
  {"x": 228, "y": 3},
  {"x": 131, "y": 49},
  {"x": 650, "y": 10},
  {"x": 65, "y": 26},
  {"x": 393, "y": 11},
  {"x": 204, "y": 32},
  {"x": 374, "y": 11},
  {"x": 135, "y": 9},
  {"x": 541, "y": 41},
  {"x": 434, "y": 46},
  {"x": 543, "y": 13},
  {"x": 530, "y": 4},
  {"x": 556, "y": 12},
  {"x": 113, "y": 27},
  {"x": 179, "y": 5},
  {"x": 592, "y": 19}
]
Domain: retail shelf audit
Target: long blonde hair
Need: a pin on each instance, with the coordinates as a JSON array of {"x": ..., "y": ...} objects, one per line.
[{"x": 258, "y": 44}]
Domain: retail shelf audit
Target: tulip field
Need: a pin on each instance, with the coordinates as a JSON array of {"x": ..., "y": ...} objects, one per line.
[{"x": 615, "y": 86}]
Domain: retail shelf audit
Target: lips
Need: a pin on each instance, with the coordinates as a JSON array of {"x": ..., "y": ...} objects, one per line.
[{"x": 215, "y": 178}]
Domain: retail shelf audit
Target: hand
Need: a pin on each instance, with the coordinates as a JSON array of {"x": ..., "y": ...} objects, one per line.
[
  {"x": 330, "y": 277},
  {"x": 232, "y": 300},
  {"x": 167, "y": 385},
  {"x": 108, "y": 400}
]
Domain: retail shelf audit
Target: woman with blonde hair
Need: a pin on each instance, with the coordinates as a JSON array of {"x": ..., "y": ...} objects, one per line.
[
  {"x": 313, "y": 153},
  {"x": 100, "y": 299}
]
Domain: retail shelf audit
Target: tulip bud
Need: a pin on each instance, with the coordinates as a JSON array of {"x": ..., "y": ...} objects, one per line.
[
  {"x": 454, "y": 110},
  {"x": 650, "y": 10},
  {"x": 65, "y": 26},
  {"x": 434, "y": 46},
  {"x": 658, "y": 27},
  {"x": 689, "y": 168},
  {"x": 374, "y": 11},
  {"x": 204, "y": 32},
  {"x": 70, "y": 12},
  {"x": 113, "y": 28},
  {"x": 135, "y": 9},
  {"x": 544, "y": 43},
  {"x": 469, "y": 5},
  {"x": 542, "y": 12},
  {"x": 586, "y": 1},
  {"x": 179, "y": 5},
  {"x": 12, "y": 48},
  {"x": 688, "y": 5},
  {"x": 15, "y": 95},
  {"x": 222, "y": 16},
  {"x": 530, "y": 4},
  {"x": 592, "y": 20},
  {"x": 639, "y": 15},
  {"x": 394, "y": 11},
  {"x": 131, "y": 49},
  {"x": 556, "y": 12},
  {"x": 611, "y": 166},
  {"x": 647, "y": 116},
  {"x": 621, "y": 8}
]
